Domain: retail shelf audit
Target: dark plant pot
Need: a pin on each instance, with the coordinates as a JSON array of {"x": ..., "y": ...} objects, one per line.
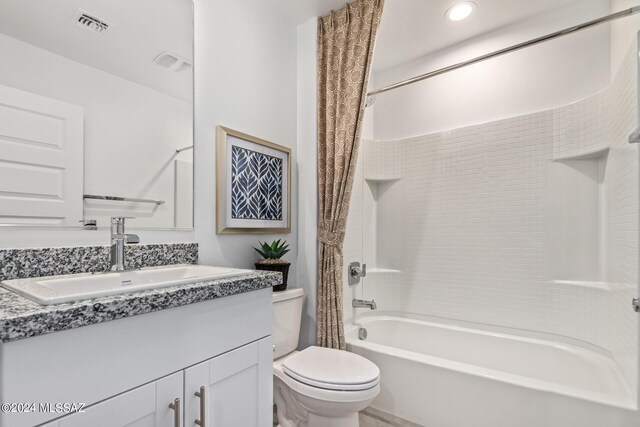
[{"x": 282, "y": 267}]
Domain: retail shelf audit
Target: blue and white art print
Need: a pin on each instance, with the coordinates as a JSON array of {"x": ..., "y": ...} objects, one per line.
[
  {"x": 256, "y": 185},
  {"x": 254, "y": 177}
]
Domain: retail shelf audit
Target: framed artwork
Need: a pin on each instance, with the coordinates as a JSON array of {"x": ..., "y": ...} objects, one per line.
[{"x": 253, "y": 184}]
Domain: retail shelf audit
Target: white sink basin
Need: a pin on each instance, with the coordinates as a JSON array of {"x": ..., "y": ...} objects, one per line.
[{"x": 74, "y": 287}]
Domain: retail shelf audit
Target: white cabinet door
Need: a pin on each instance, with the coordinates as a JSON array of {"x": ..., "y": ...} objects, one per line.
[
  {"x": 145, "y": 406},
  {"x": 41, "y": 159},
  {"x": 238, "y": 388}
]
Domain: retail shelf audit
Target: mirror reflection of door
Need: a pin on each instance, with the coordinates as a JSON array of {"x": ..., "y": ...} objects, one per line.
[{"x": 96, "y": 112}]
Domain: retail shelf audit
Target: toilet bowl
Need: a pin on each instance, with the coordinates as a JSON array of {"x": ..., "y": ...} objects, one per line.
[{"x": 316, "y": 387}]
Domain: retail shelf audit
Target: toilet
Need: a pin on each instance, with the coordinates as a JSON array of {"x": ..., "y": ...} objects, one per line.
[{"x": 316, "y": 387}]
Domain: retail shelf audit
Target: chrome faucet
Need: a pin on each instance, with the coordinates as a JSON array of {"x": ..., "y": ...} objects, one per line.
[
  {"x": 359, "y": 303},
  {"x": 118, "y": 240}
]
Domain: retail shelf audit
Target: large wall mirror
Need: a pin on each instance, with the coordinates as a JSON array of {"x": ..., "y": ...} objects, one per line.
[{"x": 96, "y": 112}]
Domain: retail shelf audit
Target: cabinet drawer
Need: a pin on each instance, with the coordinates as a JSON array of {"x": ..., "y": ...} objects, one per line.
[{"x": 145, "y": 406}]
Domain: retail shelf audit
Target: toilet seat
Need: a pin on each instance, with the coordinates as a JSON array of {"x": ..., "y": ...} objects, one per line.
[
  {"x": 331, "y": 369},
  {"x": 322, "y": 394}
]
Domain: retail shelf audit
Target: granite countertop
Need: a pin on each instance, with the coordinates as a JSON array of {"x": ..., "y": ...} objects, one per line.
[{"x": 22, "y": 318}]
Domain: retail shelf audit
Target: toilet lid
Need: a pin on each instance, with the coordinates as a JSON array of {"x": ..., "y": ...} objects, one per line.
[{"x": 332, "y": 369}]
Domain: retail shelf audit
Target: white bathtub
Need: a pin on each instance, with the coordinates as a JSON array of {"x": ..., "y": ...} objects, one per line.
[{"x": 438, "y": 374}]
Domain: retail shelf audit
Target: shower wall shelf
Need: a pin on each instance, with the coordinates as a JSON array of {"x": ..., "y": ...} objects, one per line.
[
  {"x": 379, "y": 186},
  {"x": 602, "y": 286},
  {"x": 383, "y": 271},
  {"x": 381, "y": 180},
  {"x": 594, "y": 154}
]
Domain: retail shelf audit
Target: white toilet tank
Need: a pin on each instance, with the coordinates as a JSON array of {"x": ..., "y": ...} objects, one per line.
[{"x": 287, "y": 314}]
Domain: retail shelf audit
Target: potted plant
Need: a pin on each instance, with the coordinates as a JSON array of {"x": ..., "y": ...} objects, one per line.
[{"x": 272, "y": 260}]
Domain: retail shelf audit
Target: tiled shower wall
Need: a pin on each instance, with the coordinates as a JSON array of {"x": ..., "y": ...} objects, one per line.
[{"x": 472, "y": 211}]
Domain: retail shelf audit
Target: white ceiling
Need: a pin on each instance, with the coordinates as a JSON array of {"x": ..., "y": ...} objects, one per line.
[
  {"x": 140, "y": 30},
  {"x": 302, "y": 10},
  {"x": 414, "y": 28}
]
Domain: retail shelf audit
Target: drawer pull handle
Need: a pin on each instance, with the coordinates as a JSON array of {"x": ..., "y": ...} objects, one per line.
[
  {"x": 176, "y": 412},
  {"x": 201, "y": 394}
]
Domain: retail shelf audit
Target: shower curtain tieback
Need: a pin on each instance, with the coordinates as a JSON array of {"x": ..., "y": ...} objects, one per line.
[
  {"x": 345, "y": 49},
  {"x": 331, "y": 238}
]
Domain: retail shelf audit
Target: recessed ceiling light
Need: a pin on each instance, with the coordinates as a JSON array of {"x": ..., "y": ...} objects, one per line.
[{"x": 460, "y": 11}]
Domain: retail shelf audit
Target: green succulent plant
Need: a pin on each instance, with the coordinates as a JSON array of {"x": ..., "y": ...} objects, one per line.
[{"x": 275, "y": 250}]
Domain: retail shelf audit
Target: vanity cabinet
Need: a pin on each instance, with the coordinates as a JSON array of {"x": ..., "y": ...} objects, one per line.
[
  {"x": 128, "y": 371},
  {"x": 233, "y": 389}
]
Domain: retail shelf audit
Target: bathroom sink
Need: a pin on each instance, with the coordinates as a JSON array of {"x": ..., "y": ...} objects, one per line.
[{"x": 74, "y": 287}]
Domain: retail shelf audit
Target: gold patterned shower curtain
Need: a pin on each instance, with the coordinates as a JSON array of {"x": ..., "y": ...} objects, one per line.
[{"x": 345, "y": 49}]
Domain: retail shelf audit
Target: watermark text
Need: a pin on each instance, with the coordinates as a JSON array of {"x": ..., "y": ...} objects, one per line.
[{"x": 46, "y": 407}]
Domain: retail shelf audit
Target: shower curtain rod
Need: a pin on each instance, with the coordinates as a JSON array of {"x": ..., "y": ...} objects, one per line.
[{"x": 561, "y": 33}]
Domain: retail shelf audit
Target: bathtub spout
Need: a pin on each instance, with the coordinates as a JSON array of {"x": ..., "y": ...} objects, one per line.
[{"x": 358, "y": 303}]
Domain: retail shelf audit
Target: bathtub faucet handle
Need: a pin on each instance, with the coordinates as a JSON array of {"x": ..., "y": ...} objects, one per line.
[{"x": 356, "y": 272}]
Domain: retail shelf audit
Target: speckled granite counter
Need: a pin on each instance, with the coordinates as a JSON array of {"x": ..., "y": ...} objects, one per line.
[
  {"x": 21, "y": 318},
  {"x": 40, "y": 262}
]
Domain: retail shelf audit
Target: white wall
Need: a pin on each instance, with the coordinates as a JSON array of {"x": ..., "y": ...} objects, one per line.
[
  {"x": 307, "y": 177},
  {"x": 130, "y": 131},
  {"x": 361, "y": 221},
  {"x": 534, "y": 79},
  {"x": 623, "y": 32},
  {"x": 245, "y": 78},
  {"x": 624, "y": 35}
]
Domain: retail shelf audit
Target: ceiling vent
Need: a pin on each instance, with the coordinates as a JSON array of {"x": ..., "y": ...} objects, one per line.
[
  {"x": 90, "y": 22},
  {"x": 172, "y": 62}
]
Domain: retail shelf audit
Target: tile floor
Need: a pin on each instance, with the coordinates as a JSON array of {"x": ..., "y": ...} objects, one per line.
[
  {"x": 374, "y": 418},
  {"x": 371, "y": 418}
]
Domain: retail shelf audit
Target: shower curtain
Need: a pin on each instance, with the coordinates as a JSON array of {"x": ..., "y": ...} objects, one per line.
[{"x": 346, "y": 41}]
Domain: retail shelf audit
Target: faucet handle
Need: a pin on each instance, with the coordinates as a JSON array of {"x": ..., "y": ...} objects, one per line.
[
  {"x": 120, "y": 219},
  {"x": 117, "y": 224}
]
